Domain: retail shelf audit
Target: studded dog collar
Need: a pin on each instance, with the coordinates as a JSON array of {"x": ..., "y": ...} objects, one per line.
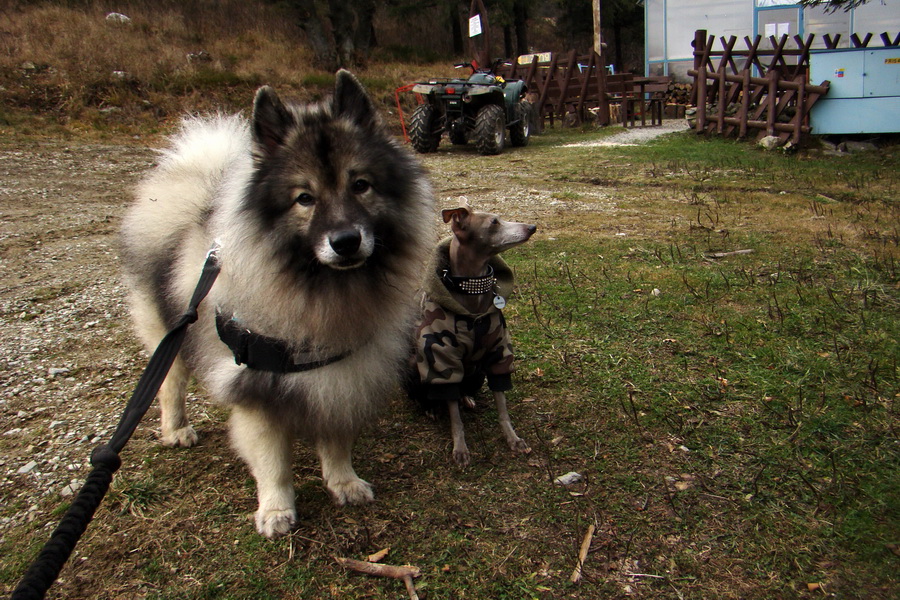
[{"x": 471, "y": 286}]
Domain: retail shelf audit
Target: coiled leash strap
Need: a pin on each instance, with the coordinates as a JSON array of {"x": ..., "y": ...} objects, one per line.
[{"x": 105, "y": 459}]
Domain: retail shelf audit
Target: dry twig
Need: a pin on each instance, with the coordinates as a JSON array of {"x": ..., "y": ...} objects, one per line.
[
  {"x": 404, "y": 573},
  {"x": 724, "y": 254},
  {"x": 582, "y": 554}
]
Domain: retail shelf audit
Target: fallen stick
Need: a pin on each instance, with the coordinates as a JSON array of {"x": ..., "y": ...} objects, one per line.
[
  {"x": 582, "y": 554},
  {"x": 724, "y": 254},
  {"x": 405, "y": 573}
]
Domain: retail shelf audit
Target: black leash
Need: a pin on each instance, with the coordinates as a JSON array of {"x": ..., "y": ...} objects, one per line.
[{"x": 105, "y": 459}]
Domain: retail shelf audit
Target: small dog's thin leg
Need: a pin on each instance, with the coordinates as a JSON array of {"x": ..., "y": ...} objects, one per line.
[
  {"x": 516, "y": 443},
  {"x": 460, "y": 450},
  {"x": 176, "y": 430},
  {"x": 340, "y": 479},
  {"x": 265, "y": 443}
]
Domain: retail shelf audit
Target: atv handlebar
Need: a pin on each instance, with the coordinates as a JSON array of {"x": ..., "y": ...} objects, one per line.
[{"x": 476, "y": 69}]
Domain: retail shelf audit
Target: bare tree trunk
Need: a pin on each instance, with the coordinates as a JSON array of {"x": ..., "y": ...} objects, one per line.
[
  {"x": 313, "y": 23},
  {"x": 507, "y": 41},
  {"x": 459, "y": 47},
  {"x": 341, "y": 14},
  {"x": 520, "y": 21},
  {"x": 620, "y": 62},
  {"x": 339, "y": 31}
]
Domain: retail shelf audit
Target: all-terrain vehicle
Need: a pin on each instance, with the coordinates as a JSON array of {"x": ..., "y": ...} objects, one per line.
[{"x": 480, "y": 108}]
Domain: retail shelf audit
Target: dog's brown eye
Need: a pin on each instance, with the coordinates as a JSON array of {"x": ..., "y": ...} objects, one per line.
[
  {"x": 495, "y": 221},
  {"x": 360, "y": 186},
  {"x": 305, "y": 199}
]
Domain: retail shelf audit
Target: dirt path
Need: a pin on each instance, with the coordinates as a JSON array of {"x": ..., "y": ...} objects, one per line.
[{"x": 636, "y": 135}]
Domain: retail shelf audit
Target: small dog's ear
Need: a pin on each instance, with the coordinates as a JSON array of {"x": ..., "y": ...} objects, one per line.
[
  {"x": 458, "y": 215},
  {"x": 271, "y": 120},
  {"x": 352, "y": 101}
]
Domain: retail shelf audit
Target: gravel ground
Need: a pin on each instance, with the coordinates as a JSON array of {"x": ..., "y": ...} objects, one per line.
[{"x": 59, "y": 296}]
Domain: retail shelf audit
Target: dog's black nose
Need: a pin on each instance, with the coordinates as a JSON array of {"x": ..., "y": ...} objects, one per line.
[{"x": 345, "y": 243}]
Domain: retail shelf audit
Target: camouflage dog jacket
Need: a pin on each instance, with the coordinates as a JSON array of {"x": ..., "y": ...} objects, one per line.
[{"x": 456, "y": 349}]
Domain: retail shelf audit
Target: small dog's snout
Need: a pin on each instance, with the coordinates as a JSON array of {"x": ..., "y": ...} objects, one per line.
[{"x": 345, "y": 243}]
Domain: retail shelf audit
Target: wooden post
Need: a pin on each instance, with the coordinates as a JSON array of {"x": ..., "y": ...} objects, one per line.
[
  {"x": 723, "y": 99},
  {"x": 772, "y": 101},
  {"x": 600, "y": 74},
  {"x": 564, "y": 85},
  {"x": 699, "y": 46},
  {"x": 548, "y": 81},
  {"x": 861, "y": 43},
  {"x": 582, "y": 96},
  {"x": 800, "y": 117},
  {"x": 745, "y": 102},
  {"x": 701, "y": 98},
  {"x": 532, "y": 72}
]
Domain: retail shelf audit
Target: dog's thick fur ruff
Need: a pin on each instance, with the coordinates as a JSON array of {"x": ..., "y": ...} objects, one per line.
[{"x": 282, "y": 194}]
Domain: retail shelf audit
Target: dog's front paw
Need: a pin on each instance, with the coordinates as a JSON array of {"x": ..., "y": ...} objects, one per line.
[
  {"x": 352, "y": 491},
  {"x": 462, "y": 457},
  {"x": 185, "y": 437},
  {"x": 275, "y": 523},
  {"x": 519, "y": 445}
]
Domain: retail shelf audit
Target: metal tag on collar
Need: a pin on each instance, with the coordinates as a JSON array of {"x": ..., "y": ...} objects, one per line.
[{"x": 499, "y": 301}]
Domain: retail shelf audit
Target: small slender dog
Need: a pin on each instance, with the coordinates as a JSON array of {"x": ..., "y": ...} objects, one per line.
[{"x": 462, "y": 338}]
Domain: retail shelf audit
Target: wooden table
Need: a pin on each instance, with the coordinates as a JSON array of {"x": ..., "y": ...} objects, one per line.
[{"x": 655, "y": 119}]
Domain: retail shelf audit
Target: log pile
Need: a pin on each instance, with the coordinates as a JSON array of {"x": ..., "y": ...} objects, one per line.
[
  {"x": 677, "y": 100},
  {"x": 679, "y": 93}
]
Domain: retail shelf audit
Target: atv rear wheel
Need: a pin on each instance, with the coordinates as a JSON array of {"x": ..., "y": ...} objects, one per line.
[
  {"x": 424, "y": 133},
  {"x": 521, "y": 131},
  {"x": 490, "y": 129}
]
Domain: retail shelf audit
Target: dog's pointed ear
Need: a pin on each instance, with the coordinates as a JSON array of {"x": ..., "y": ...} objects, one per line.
[
  {"x": 457, "y": 217},
  {"x": 351, "y": 100},
  {"x": 271, "y": 120}
]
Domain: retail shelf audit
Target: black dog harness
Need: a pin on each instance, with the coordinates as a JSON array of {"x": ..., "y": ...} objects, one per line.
[{"x": 262, "y": 353}]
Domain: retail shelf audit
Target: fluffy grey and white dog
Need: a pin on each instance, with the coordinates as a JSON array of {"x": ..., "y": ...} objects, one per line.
[{"x": 324, "y": 224}]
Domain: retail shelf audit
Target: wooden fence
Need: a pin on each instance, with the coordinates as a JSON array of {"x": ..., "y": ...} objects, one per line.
[
  {"x": 567, "y": 84},
  {"x": 766, "y": 89},
  {"x": 763, "y": 89},
  {"x": 567, "y": 87}
]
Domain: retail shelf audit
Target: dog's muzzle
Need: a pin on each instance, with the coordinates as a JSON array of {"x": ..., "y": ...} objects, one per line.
[{"x": 345, "y": 248}]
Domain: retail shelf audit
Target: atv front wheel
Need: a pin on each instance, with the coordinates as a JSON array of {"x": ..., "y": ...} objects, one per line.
[
  {"x": 521, "y": 131},
  {"x": 424, "y": 133},
  {"x": 490, "y": 129}
]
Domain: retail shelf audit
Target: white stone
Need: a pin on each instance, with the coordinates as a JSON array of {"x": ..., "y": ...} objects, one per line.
[{"x": 28, "y": 468}]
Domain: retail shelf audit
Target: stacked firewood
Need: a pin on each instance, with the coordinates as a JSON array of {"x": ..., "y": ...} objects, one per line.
[{"x": 679, "y": 93}]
